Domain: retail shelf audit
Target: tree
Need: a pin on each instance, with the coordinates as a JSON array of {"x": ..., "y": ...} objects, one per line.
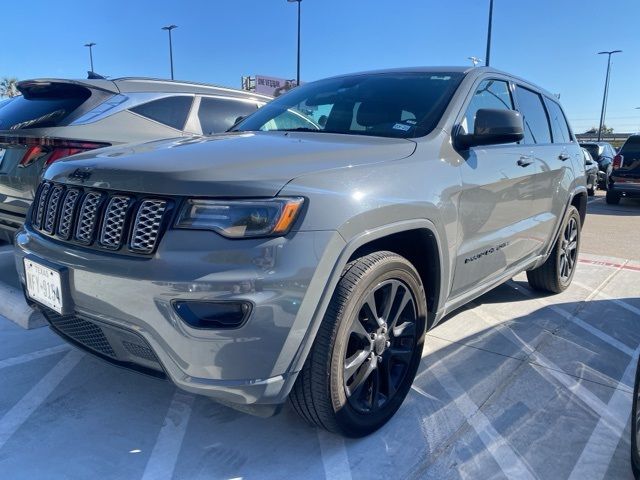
[
  {"x": 594, "y": 130},
  {"x": 8, "y": 87}
]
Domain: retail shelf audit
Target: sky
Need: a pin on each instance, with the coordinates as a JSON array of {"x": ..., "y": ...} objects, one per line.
[{"x": 552, "y": 43}]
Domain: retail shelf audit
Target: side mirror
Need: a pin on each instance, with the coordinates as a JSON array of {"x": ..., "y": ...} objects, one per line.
[{"x": 493, "y": 127}]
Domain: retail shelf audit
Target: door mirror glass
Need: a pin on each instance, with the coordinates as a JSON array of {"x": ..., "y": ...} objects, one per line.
[{"x": 493, "y": 127}]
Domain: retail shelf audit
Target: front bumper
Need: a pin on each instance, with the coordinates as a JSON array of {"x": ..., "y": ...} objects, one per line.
[{"x": 283, "y": 278}]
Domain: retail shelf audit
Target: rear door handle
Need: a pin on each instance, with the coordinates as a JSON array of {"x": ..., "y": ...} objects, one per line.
[
  {"x": 563, "y": 157},
  {"x": 524, "y": 161}
]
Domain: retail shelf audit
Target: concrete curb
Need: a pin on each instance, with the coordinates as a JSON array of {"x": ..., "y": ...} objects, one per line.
[{"x": 13, "y": 307}]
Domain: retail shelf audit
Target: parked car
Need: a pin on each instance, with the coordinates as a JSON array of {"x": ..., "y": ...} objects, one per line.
[
  {"x": 591, "y": 172},
  {"x": 625, "y": 174},
  {"x": 294, "y": 258},
  {"x": 602, "y": 153},
  {"x": 54, "y": 118}
]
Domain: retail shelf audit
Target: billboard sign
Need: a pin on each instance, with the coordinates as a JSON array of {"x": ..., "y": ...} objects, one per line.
[{"x": 273, "y": 86}]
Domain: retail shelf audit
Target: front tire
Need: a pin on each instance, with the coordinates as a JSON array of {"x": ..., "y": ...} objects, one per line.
[
  {"x": 556, "y": 273},
  {"x": 368, "y": 348}
]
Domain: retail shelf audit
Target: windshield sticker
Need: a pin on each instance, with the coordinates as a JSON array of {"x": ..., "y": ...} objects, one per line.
[{"x": 400, "y": 126}]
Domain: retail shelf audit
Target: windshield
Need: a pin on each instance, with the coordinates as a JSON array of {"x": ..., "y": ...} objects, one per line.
[{"x": 404, "y": 105}]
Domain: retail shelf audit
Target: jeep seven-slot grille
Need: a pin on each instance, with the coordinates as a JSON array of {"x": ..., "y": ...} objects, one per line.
[{"x": 98, "y": 218}]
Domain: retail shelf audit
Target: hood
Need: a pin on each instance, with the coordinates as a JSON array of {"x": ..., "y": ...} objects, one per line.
[{"x": 228, "y": 165}]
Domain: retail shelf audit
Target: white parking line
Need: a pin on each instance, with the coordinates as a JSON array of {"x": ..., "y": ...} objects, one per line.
[
  {"x": 27, "y": 357},
  {"x": 597, "y": 453},
  {"x": 617, "y": 301},
  {"x": 511, "y": 464},
  {"x": 547, "y": 368},
  {"x": 577, "y": 320},
  {"x": 334, "y": 456},
  {"x": 164, "y": 455},
  {"x": 20, "y": 412}
]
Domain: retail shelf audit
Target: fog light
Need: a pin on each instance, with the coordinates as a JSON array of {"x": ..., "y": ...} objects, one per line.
[{"x": 212, "y": 315}]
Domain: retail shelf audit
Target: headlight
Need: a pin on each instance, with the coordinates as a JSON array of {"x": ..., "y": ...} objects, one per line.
[{"x": 241, "y": 218}]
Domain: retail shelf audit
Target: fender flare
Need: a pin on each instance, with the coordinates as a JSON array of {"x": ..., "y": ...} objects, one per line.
[{"x": 350, "y": 247}]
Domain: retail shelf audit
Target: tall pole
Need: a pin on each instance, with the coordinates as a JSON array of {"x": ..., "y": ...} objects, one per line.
[
  {"x": 298, "y": 61},
  {"x": 169, "y": 28},
  {"x": 488, "y": 55},
  {"x": 605, "y": 95},
  {"x": 90, "y": 45}
]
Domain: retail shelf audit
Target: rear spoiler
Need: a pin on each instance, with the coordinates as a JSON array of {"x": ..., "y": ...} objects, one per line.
[{"x": 40, "y": 85}]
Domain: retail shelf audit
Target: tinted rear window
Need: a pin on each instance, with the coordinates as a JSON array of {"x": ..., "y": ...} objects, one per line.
[
  {"x": 631, "y": 146},
  {"x": 559, "y": 125},
  {"x": 536, "y": 124},
  {"x": 42, "y": 106},
  {"x": 217, "y": 115},
  {"x": 170, "y": 111}
]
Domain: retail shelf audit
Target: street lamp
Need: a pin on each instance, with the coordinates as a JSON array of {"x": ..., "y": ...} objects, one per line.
[
  {"x": 606, "y": 89},
  {"x": 298, "y": 63},
  {"x": 90, "y": 45},
  {"x": 168, "y": 28},
  {"x": 475, "y": 60},
  {"x": 488, "y": 56}
]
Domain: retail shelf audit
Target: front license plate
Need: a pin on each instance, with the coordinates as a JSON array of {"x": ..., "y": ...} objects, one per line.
[{"x": 43, "y": 285}]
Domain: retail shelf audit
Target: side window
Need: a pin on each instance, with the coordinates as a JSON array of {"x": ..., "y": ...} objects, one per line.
[
  {"x": 559, "y": 125},
  {"x": 171, "y": 111},
  {"x": 536, "y": 123},
  {"x": 217, "y": 115},
  {"x": 490, "y": 94}
]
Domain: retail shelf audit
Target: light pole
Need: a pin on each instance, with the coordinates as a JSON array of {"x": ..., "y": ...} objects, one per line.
[
  {"x": 475, "y": 60},
  {"x": 606, "y": 89},
  {"x": 168, "y": 28},
  {"x": 298, "y": 63},
  {"x": 488, "y": 55},
  {"x": 90, "y": 45}
]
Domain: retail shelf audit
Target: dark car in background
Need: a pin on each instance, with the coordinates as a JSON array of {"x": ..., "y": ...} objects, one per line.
[
  {"x": 56, "y": 118},
  {"x": 624, "y": 180},
  {"x": 591, "y": 172},
  {"x": 602, "y": 153}
]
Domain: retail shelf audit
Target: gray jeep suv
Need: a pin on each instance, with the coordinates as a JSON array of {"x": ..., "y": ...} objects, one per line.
[{"x": 305, "y": 254}]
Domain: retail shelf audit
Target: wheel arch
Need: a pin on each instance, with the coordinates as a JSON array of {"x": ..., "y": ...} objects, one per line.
[{"x": 365, "y": 242}]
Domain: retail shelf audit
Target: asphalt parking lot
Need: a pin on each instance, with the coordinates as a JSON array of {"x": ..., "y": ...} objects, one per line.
[{"x": 515, "y": 385}]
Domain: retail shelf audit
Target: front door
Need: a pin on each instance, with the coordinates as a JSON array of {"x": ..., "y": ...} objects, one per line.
[{"x": 495, "y": 205}]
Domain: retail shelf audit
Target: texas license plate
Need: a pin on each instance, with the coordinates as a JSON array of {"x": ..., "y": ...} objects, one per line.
[{"x": 44, "y": 285}]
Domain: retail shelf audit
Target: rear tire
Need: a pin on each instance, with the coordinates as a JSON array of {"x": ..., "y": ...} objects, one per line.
[
  {"x": 613, "y": 198},
  {"x": 367, "y": 350},
  {"x": 556, "y": 273},
  {"x": 591, "y": 191}
]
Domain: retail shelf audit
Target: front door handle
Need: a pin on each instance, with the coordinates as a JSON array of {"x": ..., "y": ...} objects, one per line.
[
  {"x": 524, "y": 161},
  {"x": 563, "y": 156}
]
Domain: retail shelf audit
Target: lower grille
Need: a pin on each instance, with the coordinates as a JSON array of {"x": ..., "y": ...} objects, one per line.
[
  {"x": 87, "y": 333},
  {"x": 117, "y": 345}
]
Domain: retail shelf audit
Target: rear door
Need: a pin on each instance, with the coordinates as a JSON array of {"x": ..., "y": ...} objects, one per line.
[{"x": 549, "y": 145}]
